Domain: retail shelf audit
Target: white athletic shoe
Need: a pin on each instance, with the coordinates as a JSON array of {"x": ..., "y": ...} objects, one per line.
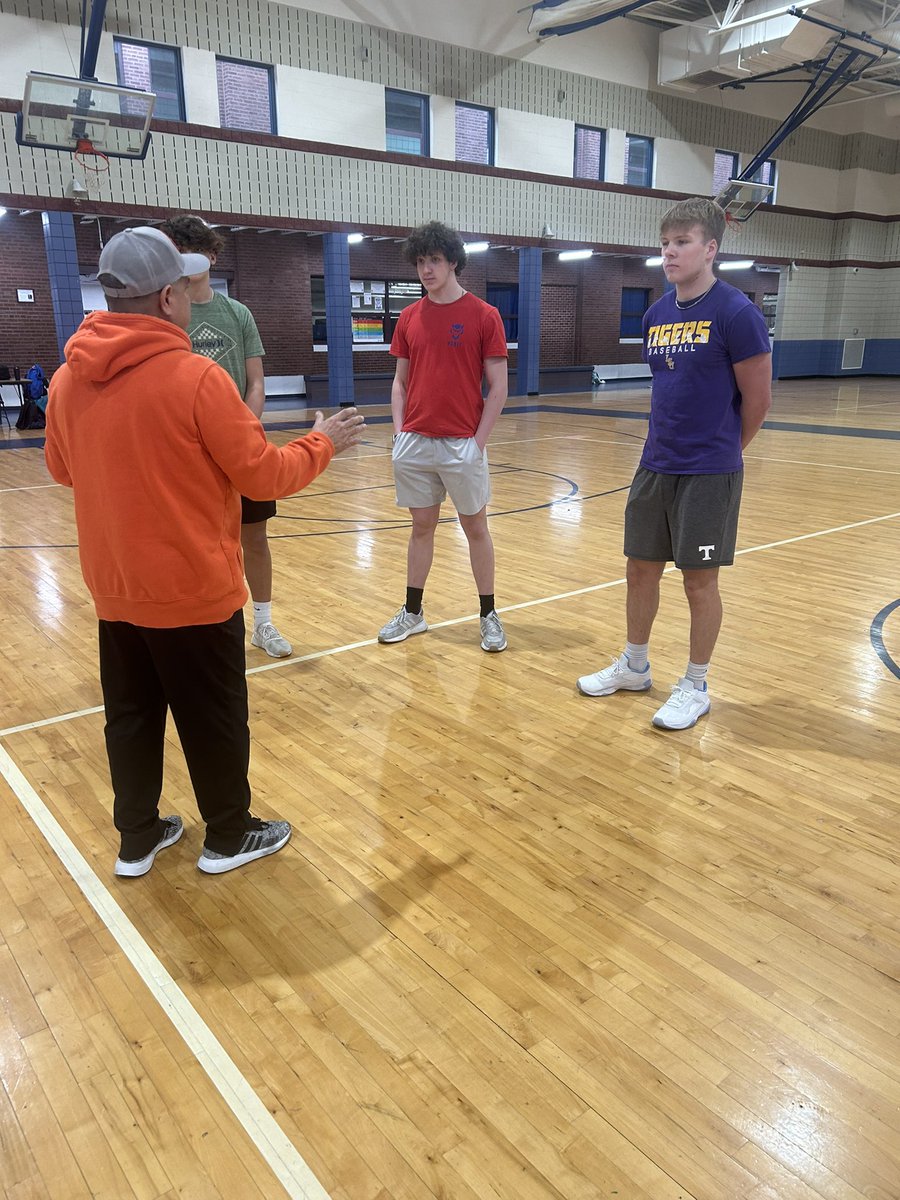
[
  {"x": 493, "y": 639},
  {"x": 402, "y": 625},
  {"x": 267, "y": 638},
  {"x": 684, "y": 707},
  {"x": 616, "y": 678}
]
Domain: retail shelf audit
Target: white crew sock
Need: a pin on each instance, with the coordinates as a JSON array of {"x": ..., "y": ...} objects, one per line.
[
  {"x": 637, "y": 656},
  {"x": 262, "y": 614},
  {"x": 696, "y": 673}
]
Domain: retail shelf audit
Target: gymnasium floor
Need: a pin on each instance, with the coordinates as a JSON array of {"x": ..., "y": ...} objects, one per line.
[{"x": 522, "y": 945}]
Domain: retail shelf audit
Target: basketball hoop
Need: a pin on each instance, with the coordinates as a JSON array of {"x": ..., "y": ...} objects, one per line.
[
  {"x": 85, "y": 151},
  {"x": 735, "y": 225},
  {"x": 740, "y": 199},
  {"x": 84, "y": 117}
]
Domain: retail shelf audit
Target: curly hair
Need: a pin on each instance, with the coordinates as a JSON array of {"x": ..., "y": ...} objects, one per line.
[
  {"x": 435, "y": 238},
  {"x": 696, "y": 211},
  {"x": 192, "y": 235}
]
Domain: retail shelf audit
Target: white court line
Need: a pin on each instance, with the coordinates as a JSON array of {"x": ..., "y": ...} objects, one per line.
[
  {"x": 69, "y": 716},
  {"x": 282, "y": 663},
  {"x": 263, "y": 1130},
  {"x": 806, "y": 462},
  {"x": 34, "y": 487},
  {"x": 805, "y": 537}
]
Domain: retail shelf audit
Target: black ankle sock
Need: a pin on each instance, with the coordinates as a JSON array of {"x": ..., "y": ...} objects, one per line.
[
  {"x": 487, "y": 604},
  {"x": 414, "y": 599}
]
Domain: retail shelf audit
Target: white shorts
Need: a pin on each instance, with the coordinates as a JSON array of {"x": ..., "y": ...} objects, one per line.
[{"x": 427, "y": 468}]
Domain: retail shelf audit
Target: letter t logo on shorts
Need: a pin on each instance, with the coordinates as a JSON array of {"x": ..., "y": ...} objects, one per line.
[{"x": 706, "y": 551}]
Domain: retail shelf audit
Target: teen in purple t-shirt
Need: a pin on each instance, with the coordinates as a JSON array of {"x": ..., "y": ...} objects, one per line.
[
  {"x": 708, "y": 349},
  {"x": 695, "y": 411}
]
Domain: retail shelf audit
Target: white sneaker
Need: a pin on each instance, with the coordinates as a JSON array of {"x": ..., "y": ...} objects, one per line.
[
  {"x": 617, "y": 678},
  {"x": 684, "y": 707},
  {"x": 402, "y": 625},
  {"x": 267, "y": 638},
  {"x": 493, "y": 639}
]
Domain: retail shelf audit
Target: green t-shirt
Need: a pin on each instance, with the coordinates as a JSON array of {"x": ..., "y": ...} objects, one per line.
[{"x": 224, "y": 330}]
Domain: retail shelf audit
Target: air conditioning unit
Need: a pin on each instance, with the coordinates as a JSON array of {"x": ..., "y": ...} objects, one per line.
[{"x": 696, "y": 56}]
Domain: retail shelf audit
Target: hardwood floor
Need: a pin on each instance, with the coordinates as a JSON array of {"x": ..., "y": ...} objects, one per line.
[{"x": 522, "y": 945}]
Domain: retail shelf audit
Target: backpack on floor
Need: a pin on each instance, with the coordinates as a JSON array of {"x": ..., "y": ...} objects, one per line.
[{"x": 30, "y": 415}]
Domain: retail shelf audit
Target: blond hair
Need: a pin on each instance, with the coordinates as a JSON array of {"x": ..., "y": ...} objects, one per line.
[{"x": 696, "y": 211}]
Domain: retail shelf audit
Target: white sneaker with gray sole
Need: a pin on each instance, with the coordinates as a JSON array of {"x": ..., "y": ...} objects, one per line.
[
  {"x": 266, "y": 637},
  {"x": 684, "y": 707},
  {"x": 493, "y": 639},
  {"x": 619, "y": 677},
  {"x": 402, "y": 625}
]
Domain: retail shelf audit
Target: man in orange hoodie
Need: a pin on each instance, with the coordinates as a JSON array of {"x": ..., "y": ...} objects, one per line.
[{"x": 158, "y": 447}]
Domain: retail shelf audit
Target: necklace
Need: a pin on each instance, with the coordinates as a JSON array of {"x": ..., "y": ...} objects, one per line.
[{"x": 683, "y": 304}]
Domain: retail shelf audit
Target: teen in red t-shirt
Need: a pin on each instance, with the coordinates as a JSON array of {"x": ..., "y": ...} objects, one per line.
[{"x": 445, "y": 345}]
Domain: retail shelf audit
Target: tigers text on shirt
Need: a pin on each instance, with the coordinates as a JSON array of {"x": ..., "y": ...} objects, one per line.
[
  {"x": 695, "y": 404},
  {"x": 679, "y": 333}
]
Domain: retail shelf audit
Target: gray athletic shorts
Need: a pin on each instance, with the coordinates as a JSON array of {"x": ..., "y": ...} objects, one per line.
[
  {"x": 427, "y": 468},
  {"x": 689, "y": 519}
]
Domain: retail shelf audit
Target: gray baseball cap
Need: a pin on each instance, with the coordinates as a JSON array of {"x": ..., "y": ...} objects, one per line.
[{"x": 141, "y": 261}]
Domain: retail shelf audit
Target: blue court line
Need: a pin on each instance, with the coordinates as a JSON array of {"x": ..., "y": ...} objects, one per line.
[
  {"x": 22, "y": 444},
  {"x": 885, "y": 435},
  {"x": 587, "y": 412},
  {"x": 875, "y": 634},
  {"x": 378, "y": 527}
]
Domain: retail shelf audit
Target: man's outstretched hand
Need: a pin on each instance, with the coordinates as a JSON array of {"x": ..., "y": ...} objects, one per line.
[{"x": 345, "y": 428}]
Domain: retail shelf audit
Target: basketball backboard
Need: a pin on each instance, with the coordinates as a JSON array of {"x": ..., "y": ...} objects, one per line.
[
  {"x": 740, "y": 199},
  {"x": 58, "y": 113}
]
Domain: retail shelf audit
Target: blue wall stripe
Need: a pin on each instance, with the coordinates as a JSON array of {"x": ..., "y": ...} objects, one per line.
[{"x": 816, "y": 356}]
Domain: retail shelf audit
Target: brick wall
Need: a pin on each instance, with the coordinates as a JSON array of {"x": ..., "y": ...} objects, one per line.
[
  {"x": 601, "y": 306},
  {"x": 473, "y": 126},
  {"x": 29, "y": 332},
  {"x": 559, "y": 308},
  {"x": 270, "y": 273},
  {"x": 244, "y": 96}
]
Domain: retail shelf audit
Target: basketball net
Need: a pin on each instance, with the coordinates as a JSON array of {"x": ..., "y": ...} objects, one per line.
[
  {"x": 93, "y": 162},
  {"x": 734, "y": 225}
]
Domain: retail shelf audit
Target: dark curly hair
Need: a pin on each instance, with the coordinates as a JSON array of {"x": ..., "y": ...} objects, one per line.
[
  {"x": 435, "y": 238},
  {"x": 192, "y": 235}
]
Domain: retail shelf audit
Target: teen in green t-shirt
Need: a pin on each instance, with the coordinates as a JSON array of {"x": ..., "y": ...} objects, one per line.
[{"x": 225, "y": 331}]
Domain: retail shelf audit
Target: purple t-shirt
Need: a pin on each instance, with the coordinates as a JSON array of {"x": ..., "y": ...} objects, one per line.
[{"x": 695, "y": 405}]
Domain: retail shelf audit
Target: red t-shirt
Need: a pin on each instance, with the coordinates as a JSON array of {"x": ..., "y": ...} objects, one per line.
[{"x": 446, "y": 345}]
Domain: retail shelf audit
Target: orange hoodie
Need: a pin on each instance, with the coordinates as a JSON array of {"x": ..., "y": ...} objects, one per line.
[{"x": 158, "y": 445}]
